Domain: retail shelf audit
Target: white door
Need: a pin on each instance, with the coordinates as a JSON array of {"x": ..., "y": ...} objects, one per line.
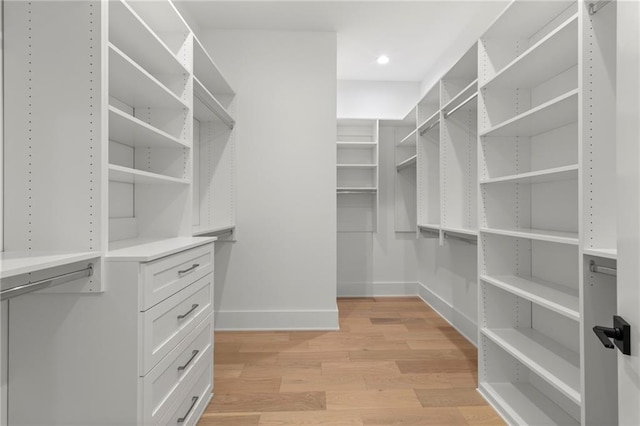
[{"x": 628, "y": 159}]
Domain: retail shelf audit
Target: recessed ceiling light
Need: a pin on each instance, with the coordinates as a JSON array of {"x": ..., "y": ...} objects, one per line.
[{"x": 383, "y": 59}]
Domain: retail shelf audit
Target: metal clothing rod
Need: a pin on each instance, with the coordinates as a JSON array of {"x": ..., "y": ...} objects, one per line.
[
  {"x": 460, "y": 105},
  {"x": 602, "y": 269},
  {"x": 429, "y": 128},
  {"x": 47, "y": 282},
  {"x": 596, "y": 6}
]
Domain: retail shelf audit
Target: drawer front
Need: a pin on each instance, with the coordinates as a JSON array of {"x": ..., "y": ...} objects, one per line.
[
  {"x": 195, "y": 401},
  {"x": 164, "y": 277},
  {"x": 170, "y": 321},
  {"x": 169, "y": 380}
]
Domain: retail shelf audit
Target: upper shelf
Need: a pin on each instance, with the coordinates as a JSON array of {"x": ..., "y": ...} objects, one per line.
[
  {"x": 570, "y": 238},
  {"x": 409, "y": 162},
  {"x": 213, "y": 108},
  {"x": 548, "y": 116},
  {"x": 522, "y": 19},
  {"x": 208, "y": 73},
  {"x": 541, "y": 176},
  {"x": 134, "y": 86},
  {"x": 409, "y": 140},
  {"x": 462, "y": 99},
  {"x": 132, "y": 36},
  {"x": 129, "y": 175},
  {"x": 129, "y": 130},
  {"x": 367, "y": 145},
  {"x": 430, "y": 123},
  {"x": 555, "y": 53}
]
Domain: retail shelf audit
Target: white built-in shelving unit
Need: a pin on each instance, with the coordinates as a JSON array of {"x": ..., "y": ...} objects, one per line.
[
  {"x": 428, "y": 168},
  {"x": 546, "y": 81},
  {"x": 119, "y": 165},
  {"x": 357, "y": 175},
  {"x": 406, "y": 163}
]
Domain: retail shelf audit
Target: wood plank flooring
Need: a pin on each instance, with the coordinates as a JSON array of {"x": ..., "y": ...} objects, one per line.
[{"x": 394, "y": 362}]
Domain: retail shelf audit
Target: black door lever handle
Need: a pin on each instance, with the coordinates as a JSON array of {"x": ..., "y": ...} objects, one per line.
[{"x": 620, "y": 333}]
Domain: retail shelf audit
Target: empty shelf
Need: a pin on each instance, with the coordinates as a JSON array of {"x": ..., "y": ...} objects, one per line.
[
  {"x": 555, "y": 113},
  {"x": 18, "y": 263},
  {"x": 556, "y": 364},
  {"x": 131, "y": 131},
  {"x": 540, "y": 176},
  {"x": 555, "y": 297},
  {"x": 552, "y": 55},
  {"x": 207, "y": 72},
  {"x": 409, "y": 162},
  {"x": 463, "y": 99},
  {"x": 602, "y": 252},
  {"x": 213, "y": 108},
  {"x": 536, "y": 234},
  {"x": 129, "y": 175},
  {"x": 409, "y": 140},
  {"x": 357, "y": 166},
  {"x": 146, "y": 249},
  {"x": 468, "y": 233},
  {"x": 526, "y": 405}
]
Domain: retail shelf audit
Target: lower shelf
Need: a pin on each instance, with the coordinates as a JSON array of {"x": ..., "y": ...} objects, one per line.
[
  {"x": 523, "y": 404},
  {"x": 551, "y": 361}
]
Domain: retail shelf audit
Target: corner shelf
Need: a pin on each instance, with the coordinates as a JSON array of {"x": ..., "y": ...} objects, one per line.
[
  {"x": 550, "y": 115},
  {"x": 554, "y": 363},
  {"x": 129, "y": 175},
  {"x": 129, "y": 130},
  {"x": 552, "y": 296}
]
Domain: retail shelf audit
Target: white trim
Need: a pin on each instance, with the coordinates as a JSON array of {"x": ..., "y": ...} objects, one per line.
[
  {"x": 270, "y": 320},
  {"x": 377, "y": 289},
  {"x": 462, "y": 323}
]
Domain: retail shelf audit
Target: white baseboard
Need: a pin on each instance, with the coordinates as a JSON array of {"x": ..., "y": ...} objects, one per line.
[
  {"x": 465, "y": 325},
  {"x": 378, "y": 289},
  {"x": 277, "y": 320}
]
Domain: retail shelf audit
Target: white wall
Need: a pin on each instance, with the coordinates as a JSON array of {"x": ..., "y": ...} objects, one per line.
[
  {"x": 281, "y": 272},
  {"x": 376, "y": 99},
  {"x": 383, "y": 263}
]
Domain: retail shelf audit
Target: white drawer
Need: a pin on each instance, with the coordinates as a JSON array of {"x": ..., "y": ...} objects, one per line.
[
  {"x": 170, "y": 321},
  {"x": 195, "y": 401},
  {"x": 168, "y": 381},
  {"x": 163, "y": 277}
]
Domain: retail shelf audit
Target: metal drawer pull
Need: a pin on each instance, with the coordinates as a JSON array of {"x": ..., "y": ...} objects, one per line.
[
  {"x": 186, "y": 271},
  {"x": 193, "y": 355},
  {"x": 186, "y": 314},
  {"x": 194, "y": 400}
]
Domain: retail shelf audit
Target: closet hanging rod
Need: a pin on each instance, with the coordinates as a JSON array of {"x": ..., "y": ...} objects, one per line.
[
  {"x": 460, "y": 105},
  {"x": 593, "y": 267},
  {"x": 47, "y": 282},
  {"x": 431, "y": 126},
  {"x": 596, "y": 6}
]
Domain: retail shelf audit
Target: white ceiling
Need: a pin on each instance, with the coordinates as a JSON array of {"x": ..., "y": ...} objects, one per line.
[{"x": 422, "y": 38}]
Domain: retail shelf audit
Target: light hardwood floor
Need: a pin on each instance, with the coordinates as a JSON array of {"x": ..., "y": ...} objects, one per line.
[{"x": 394, "y": 362}]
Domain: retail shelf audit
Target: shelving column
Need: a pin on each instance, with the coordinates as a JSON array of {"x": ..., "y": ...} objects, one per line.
[
  {"x": 529, "y": 301},
  {"x": 406, "y": 159}
]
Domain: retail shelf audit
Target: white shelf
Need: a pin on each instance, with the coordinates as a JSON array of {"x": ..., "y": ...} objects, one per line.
[
  {"x": 541, "y": 176},
  {"x": 548, "y": 116},
  {"x": 134, "y": 86},
  {"x": 129, "y": 175},
  {"x": 556, "y": 364},
  {"x": 358, "y": 145},
  {"x": 356, "y": 166},
  {"x": 131, "y": 35},
  {"x": 131, "y": 131},
  {"x": 213, "y": 107},
  {"x": 552, "y": 55},
  {"x": 601, "y": 252},
  {"x": 526, "y": 405},
  {"x": 18, "y": 263},
  {"x": 409, "y": 140},
  {"x": 409, "y": 162},
  {"x": 213, "y": 231},
  {"x": 524, "y": 19},
  {"x": 552, "y": 296},
  {"x": 466, "y": 232},
  {"x": 207, "y": 72},
  {"x": 146, "y": 250},
  {"x": 536, "y": 234},
  {"x": 463, "y": 98}
]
